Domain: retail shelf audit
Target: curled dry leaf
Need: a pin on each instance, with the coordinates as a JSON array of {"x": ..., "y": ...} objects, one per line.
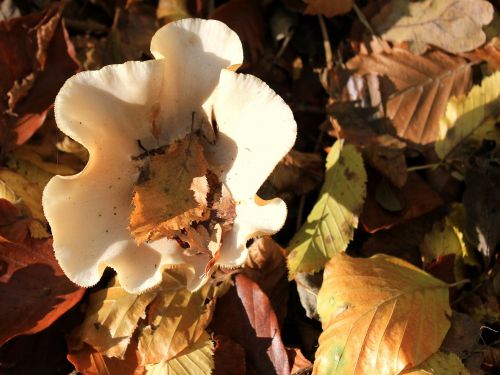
[
  {"x": 452, "y": 25},
  {"x": 376, "y": 317},
  {"x": 33, "y": 287},
  {"x": 39, "y": 57},
  {"x": 330, "y": 225},
  {"x": 329, "y": 8},
  {"x": 297, "y": 360},
  {"x": 415, "y": 89}
]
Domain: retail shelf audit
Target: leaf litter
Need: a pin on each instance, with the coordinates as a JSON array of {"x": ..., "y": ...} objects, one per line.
[{"x": 414, "y": 118}]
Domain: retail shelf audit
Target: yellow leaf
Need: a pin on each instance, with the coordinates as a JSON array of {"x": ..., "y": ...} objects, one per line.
[
  {"x": 469, "y": 114},
  {"x": 27, "y": 196},
  {"x": 330, "y": 225},
  {"x": 197, "y": 360},
  {"x": 177, "y": 318},
  {"x": 172, "y": 10},
  {"x": 452, "y": 25},
  {"x": 380, "y": 315},
  {"x": 329, "y": 8},
  {"x": 111, "y": 319},
  {"x": 446, "y": 237},
  {"x": 440, "y": 364}
]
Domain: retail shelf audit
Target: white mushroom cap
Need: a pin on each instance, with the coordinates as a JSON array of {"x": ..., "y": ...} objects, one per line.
[{"x": 109, "y": 110}]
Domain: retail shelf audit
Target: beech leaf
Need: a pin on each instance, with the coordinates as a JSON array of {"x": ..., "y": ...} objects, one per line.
[
  {"x": 177, "y": 318},
  {"x": 197, "y": 360},
  {"x": 330, "y": 225},
  {"x": 452, "y": 25},
  {"x": 415, "y": 88},
  {"x": 440, "y": 363},
  {"x": 380, "y": 315},
  {"x": 111, "y": 319},
  {"x": 466, "y": 116}
]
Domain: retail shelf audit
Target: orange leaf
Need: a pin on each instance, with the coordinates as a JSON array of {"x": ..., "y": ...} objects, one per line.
[{"x": 380, "y": 315}]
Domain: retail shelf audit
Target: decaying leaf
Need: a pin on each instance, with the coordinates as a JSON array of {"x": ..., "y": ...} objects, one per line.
[
  {"x": 89, "y": 361},
  {"x": 445, "y": 238},
  {"x": 112, "y": 318},
  {"x": 379, "y": 315},
  {"x": 298, "y": 361},
  {"x": 329, "y": 8},
  {"x": 452, "y": 25},
  {"x": 37, "y": 58},
  {"x": 28, "y": 197},
  {"x": 229, "y": 357},
  {"x": 330, "y": 225},
  {"x": 33, "y": 287},
  {"x": 173, "y": 194},
  {"x": 245, "y": 315},
  {"x": 440, "y": 363},
  {"x": 470, "y": 118},
  {"x": 415, "y": 89},
  {"x": 196, "y": 360},
  {"x": 298, "y": 172},
  {"x": 176, "y": 319}
]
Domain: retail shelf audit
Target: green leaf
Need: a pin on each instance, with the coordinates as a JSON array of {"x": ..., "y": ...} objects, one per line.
[
  {"x": 198, "y": 360},
  {"x": 330, "y": 225},
  {"x": 380, "y": 315},
  {"x": 470, "y": 119}
]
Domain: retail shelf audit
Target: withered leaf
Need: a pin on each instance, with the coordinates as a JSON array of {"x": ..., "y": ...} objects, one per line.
[
  {"x": 174, "y": 193},
  {"x": 379, "y": 315},
  {"x": 35, "y": 292},
  {"x": 329, "y": 8},
  {"x": 229, "y": 357},
  {"x": 452, "y": 25},
  {"x": 415, "y": 89}
]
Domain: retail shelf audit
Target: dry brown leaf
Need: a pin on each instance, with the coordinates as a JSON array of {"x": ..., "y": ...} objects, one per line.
[
  {"x": 229, "y": 357},
  {"x": 452, "y": 25},
  {"x": 176, "y": 319},
  {"x": 246, "y": 18},
  {"x": 297, "y": 360},
  {"x": 111, "y": 319},
  {"x": 172, "y": 10},
  {"x": 298, "y": 172},
  {"x": 490, "y": 53},
  {"x": 328, "y": 8},
  {"x": 174, "y": 193},
  {"x": 415, "y": 89},
  {"x": 380, "y": 315}
]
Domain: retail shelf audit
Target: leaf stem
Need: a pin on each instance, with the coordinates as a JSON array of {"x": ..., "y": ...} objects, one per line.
[
  {"x": 425, "y": 166},
  {"x": 461, "y": 282}
]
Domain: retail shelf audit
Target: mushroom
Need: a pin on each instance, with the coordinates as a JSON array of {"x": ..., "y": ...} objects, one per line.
[{"x": 127, "y": 114}]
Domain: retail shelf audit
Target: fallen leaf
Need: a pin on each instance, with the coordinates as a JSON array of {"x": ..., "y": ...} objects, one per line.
[
  {"x": 266, "y": 265},
  {"x": 244, "y": 314},
  {"x": 34, "y": 290},
  {"x": 328, "y": 8},
  {"x": 470, "y": 119},
  {"x": 440, "y": 363},
  {"x": 452, "y": 25},
  {"x": 36, "y": 46},
  {"x": 308, "y": 286},
  {"x": 197, "y": 360},
  {"x": 88, "y": 361},
  {"x": 176, "y": 319},
  {"x": 297, "y": 360},
  {"x": 416, "y": 198},
  {"x": 379, "y": 315},
  {"x": 172, "y": 10},
  {"x": 28, "y": 197},
  {"x": 166, "y": 202},
  {"x": 415, "y": 89},
  {"x": 14, "y": 226},
  {"x": 229, "y": 357},
  {"x": 111, "y": 319},
  {"x": 8, "y": 10},
  {"x": 246, "y": 18},
  {"x": 446, "y": 238},
  {"x": 463, "y": 336},
  {"x": 298, "y": 172},
  {"x": 330, "y": 225},
  {"x": 490, "y": 52}
]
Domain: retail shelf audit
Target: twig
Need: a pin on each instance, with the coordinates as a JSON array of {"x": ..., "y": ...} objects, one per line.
[
  {"x": 362, "y": 18},
  {"x": 326, "y": 43},
  {"x": 423, "y": 167}
]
